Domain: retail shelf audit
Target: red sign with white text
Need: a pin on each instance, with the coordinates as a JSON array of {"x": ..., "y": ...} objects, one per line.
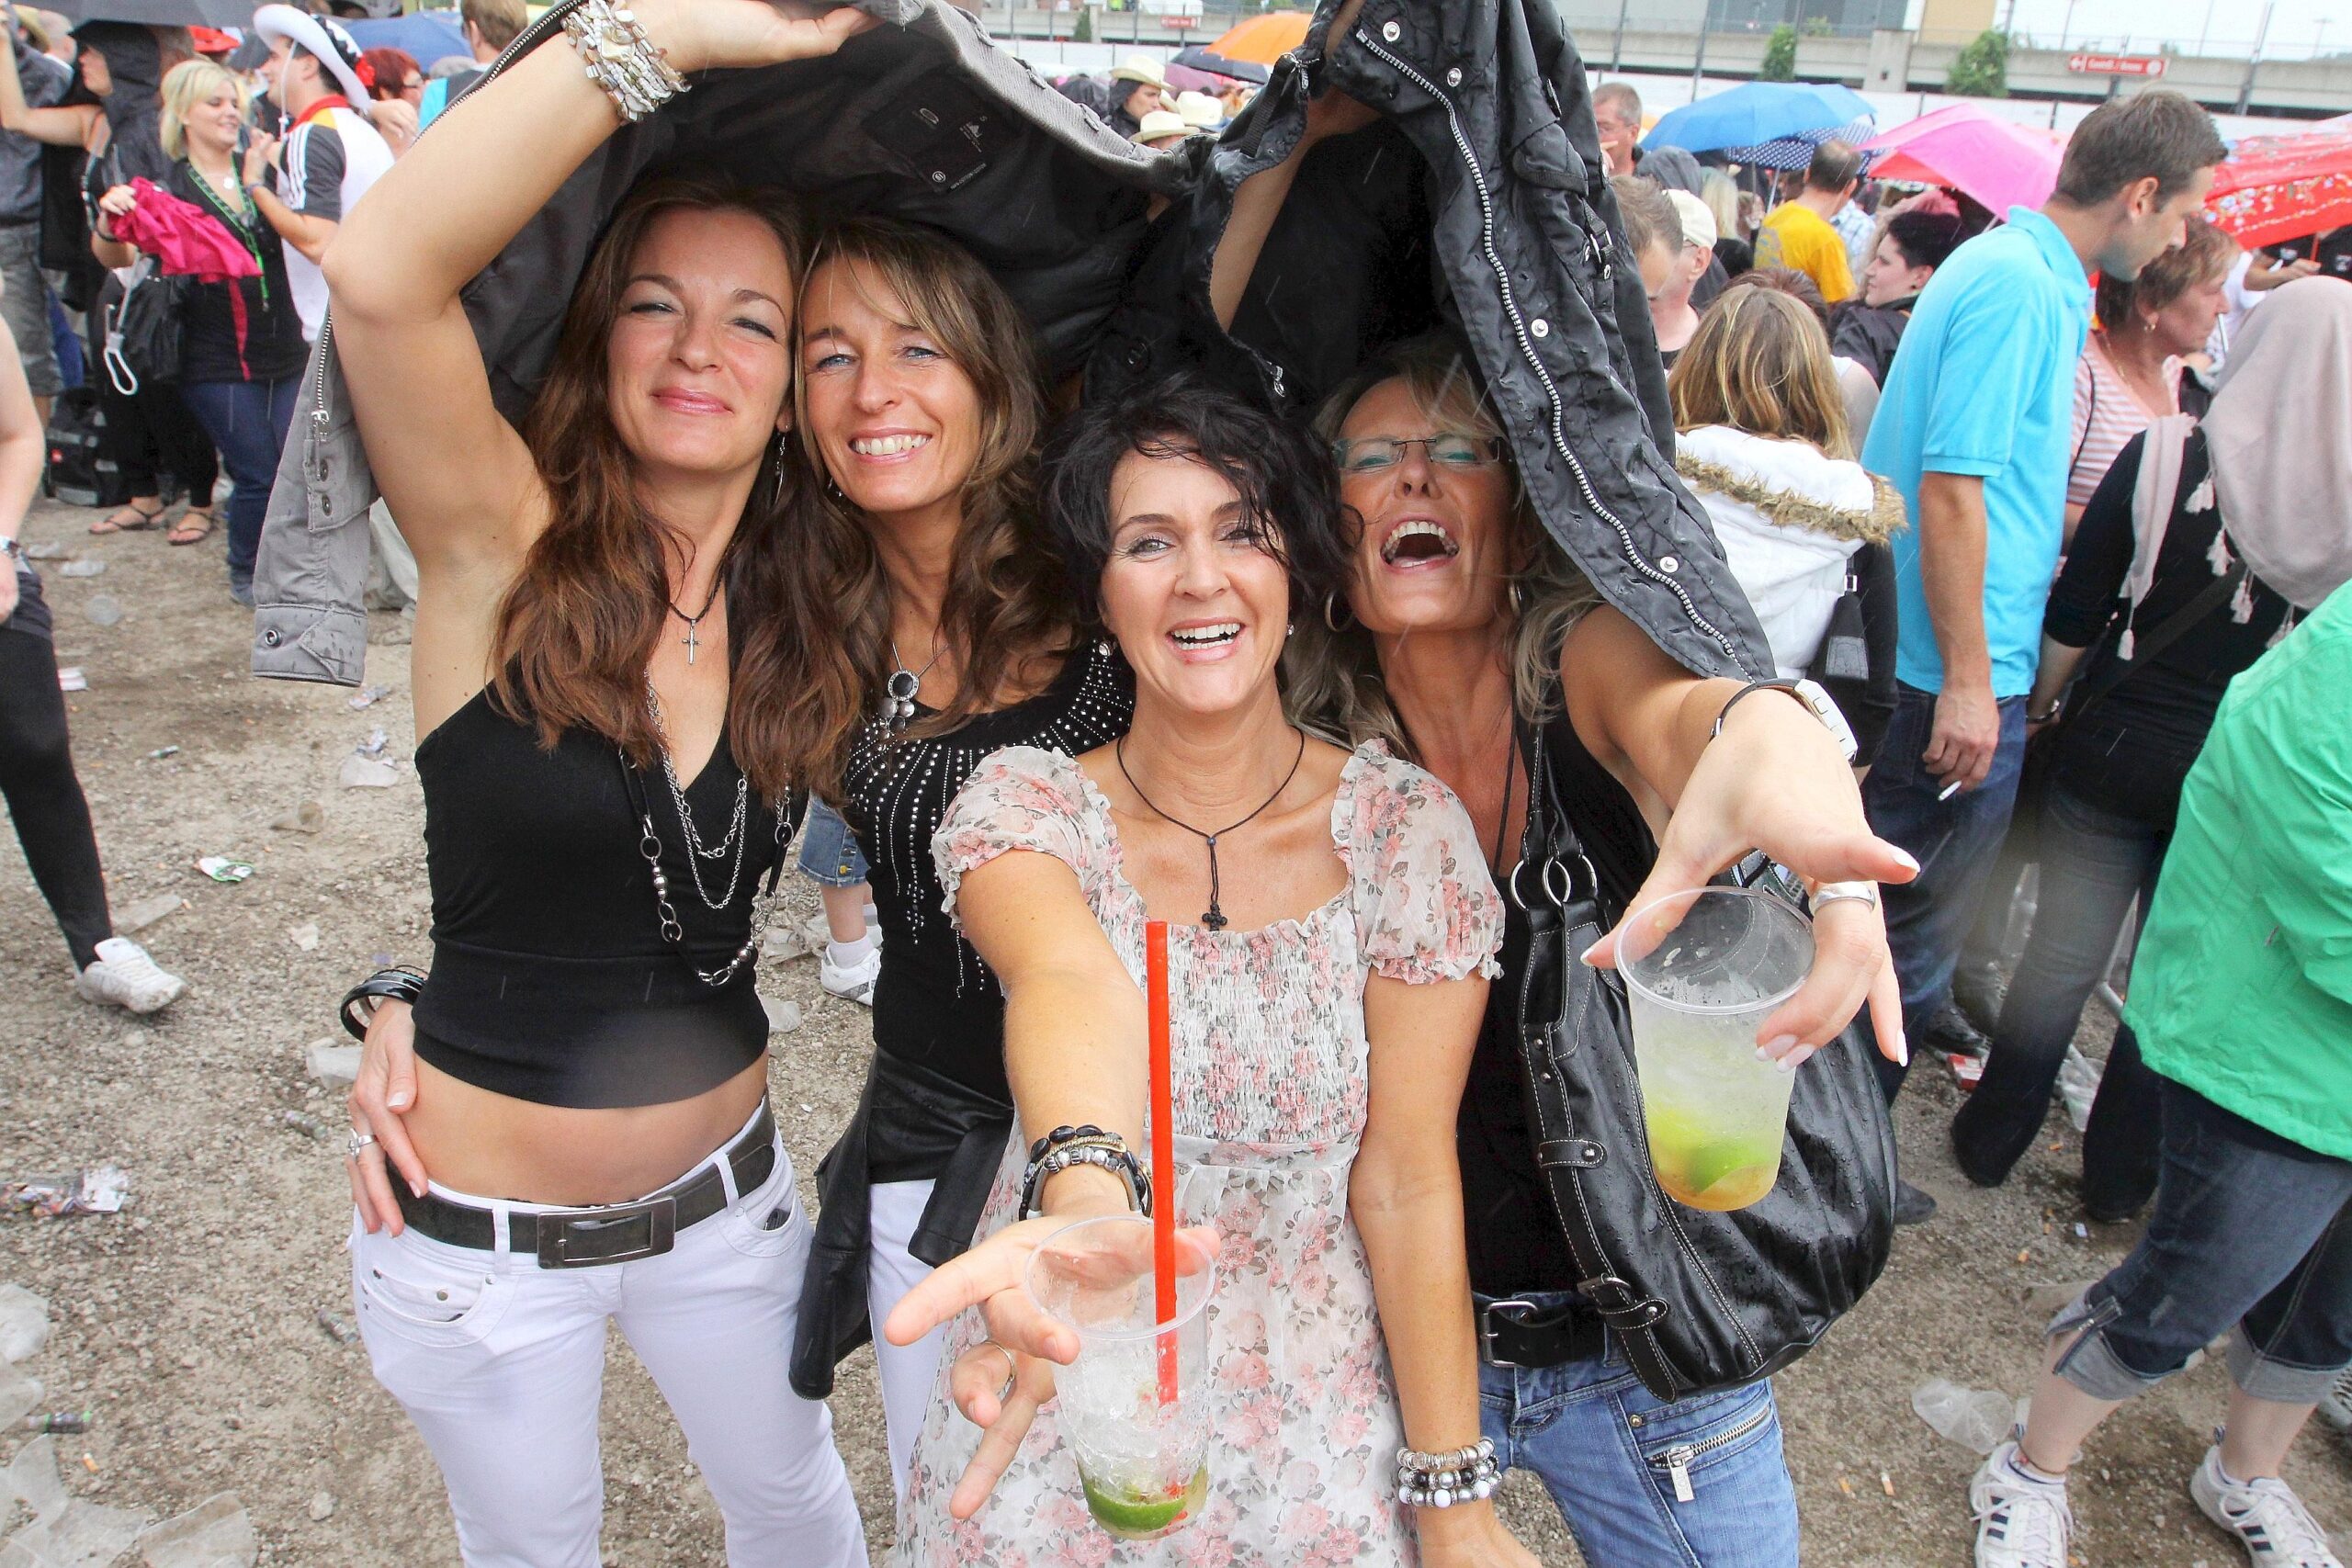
[{"x": 2117, "y": 65}]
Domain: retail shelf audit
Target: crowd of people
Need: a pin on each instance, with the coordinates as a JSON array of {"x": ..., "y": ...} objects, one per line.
[{"x": 2022, "y": 504}]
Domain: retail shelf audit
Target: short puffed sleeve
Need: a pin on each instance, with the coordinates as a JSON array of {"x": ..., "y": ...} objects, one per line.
[
  {"x": 1426, "y": 906},
  {"x": 1023, "y": 797}
]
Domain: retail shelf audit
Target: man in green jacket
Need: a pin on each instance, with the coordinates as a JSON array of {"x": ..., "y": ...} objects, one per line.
[{"x": 2241, "y": 997}]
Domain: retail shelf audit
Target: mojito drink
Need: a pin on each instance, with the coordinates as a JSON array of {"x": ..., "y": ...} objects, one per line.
[{"x": 1704, "y": 970}]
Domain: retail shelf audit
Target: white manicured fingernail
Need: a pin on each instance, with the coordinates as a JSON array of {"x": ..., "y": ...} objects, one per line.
[{"x": 1777, "y": 1047}]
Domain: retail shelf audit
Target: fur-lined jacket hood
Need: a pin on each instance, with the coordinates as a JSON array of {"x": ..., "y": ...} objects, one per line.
[{"x": 1790, "y": 484}]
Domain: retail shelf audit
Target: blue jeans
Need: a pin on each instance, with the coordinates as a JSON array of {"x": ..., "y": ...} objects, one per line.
[
  {"x": 247, "y": 421},
  {"x": 1955, "y": 842},
  {"x": 2094, "y": 863},
  {"x": 829, "y": 852},
  {"x": 2252, "y": 1235},
  {"x": 1604, "y": 1447}
]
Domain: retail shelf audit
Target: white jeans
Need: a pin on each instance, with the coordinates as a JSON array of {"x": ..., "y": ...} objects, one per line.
[
  {"x": 910, "y": 1372},
  {"x": 500, "y": 1365}
]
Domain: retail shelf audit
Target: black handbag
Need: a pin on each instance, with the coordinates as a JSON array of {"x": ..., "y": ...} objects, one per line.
[
  {"x": 142, "y": 344},
  {"x": 1698, "y": 1300}
]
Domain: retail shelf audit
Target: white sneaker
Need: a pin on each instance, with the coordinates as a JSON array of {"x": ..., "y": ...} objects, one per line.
[
  {"x": 2021, "y": 1522},
  {"x": 2336, "y": 1408},
  {"x": 2265, "y": 1516},
  {"x": 125, "y": 976},
  {"x": 855, "y": 982}
]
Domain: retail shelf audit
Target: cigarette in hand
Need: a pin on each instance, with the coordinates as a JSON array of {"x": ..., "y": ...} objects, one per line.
[{"x": 1949, "y": 789}]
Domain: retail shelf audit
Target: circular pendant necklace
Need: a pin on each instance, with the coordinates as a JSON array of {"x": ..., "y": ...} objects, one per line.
[
  {"x": 899, "y": 691},
  {"x": 1213, "y": 916}
]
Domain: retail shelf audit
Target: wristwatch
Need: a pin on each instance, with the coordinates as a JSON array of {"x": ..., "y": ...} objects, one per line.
[{"x": 1814, "y": 696}]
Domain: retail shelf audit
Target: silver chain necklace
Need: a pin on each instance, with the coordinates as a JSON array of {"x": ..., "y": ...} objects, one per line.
[
  {"x": 899, "y": 692},
  {"x": 696, "y": 851}
]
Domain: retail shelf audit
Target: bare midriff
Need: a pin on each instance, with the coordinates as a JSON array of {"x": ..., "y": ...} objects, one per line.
[{"x": 493, "y": 1145}]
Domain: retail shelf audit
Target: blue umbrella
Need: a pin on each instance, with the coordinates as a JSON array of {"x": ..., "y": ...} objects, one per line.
[
  {"x": 1757, "y": 112},
  {"x": 427, "y": 36},
  {"x": 1796, "y": 151}
]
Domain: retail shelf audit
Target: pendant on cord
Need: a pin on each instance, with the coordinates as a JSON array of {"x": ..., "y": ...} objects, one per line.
[{"x": 1213, "y": 916}]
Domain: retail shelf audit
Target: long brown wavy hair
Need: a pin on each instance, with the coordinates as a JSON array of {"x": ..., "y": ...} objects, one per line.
[
  {"x": 1006, "y": 611},
  {"x": 578, "y": 625}
]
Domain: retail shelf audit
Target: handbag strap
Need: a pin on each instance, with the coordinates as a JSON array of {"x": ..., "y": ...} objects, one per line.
[
  {"x": 1559, "y": 909},
  {"x": 2171, "y": 630}
]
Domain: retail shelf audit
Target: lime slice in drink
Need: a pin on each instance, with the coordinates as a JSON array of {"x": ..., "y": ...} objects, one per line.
[{"x": 1123, "y": 1513}]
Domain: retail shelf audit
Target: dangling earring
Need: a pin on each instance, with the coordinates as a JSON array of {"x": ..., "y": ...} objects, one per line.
[
  {"x": 1290, "y": 631},
  {"x": 1103, "y": 646},
  {"x": 833, "y": 486},
  {"x": 779, "y": 469}
]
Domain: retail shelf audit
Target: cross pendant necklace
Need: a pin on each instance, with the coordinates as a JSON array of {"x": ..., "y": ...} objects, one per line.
[{"x": 693, "y": 623}]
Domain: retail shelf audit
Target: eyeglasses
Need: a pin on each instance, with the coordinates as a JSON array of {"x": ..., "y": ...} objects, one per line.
[{"x": 1371, "y": 453}]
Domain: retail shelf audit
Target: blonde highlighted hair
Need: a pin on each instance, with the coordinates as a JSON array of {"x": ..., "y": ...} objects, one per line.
[
  {"x": 1335, "y": 683},
  {"x": 1760, "y": 362},
  {"x": 185, "y": 85}
]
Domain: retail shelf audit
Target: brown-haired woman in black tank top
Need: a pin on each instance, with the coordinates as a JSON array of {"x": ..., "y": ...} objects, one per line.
[{"x": 581, "y": 1134}]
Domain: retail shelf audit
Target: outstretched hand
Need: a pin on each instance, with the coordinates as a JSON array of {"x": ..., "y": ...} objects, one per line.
[
  {"x": 1023, "y": 1339},
  {"x": 1776, "y": 781}
]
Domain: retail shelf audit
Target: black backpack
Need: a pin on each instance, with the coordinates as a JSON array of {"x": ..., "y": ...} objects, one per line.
[
  {"x": 140, "y": 346},
  {"x": 79, "y": 475}
]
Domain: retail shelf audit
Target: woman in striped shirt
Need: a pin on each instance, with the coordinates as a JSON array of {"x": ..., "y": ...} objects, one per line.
[{"x": 2131, "y": 372}]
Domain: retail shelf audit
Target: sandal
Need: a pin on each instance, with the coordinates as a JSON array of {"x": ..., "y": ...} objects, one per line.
[
  {"x": 128, "y": 518},
  {"x": 194, "y": 527}
]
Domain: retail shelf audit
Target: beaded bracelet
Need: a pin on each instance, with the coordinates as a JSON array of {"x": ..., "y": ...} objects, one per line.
[
  {"x": 1066, "y": 1146},
  {"x": 1439, "y": 1481},
  {"x": 634, "y": 71}
]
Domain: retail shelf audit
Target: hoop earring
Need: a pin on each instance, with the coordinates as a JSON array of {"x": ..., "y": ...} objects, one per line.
[
  {"x": 1331, "y": 612},
  {"x": 1517, "y": 605}
]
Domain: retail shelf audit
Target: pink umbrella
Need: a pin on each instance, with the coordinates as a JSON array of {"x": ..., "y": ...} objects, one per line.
[
  {"x": 1993, "y": 160},
  {"x": 184, "y": 237}
]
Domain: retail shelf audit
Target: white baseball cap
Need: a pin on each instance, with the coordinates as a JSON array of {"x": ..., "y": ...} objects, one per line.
[{"x": 1698, "y": 219}]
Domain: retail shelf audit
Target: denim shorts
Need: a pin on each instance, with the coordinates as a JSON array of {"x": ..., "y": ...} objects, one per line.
[
  {"x": 829, "y": 852},
  {"x": 2252, "y": 1237}
]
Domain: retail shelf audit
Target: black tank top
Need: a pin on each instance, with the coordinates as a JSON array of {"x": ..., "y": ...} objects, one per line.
[{"x": 552, "y": 981}]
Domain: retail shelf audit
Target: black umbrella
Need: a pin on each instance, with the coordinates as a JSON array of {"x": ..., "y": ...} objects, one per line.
[
  {"x": 161, "y": 13},
  {"x": 1200, "y": 57}
]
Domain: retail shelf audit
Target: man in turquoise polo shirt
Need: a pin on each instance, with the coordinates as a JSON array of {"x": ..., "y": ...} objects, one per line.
[{"x": 1972, "y": 427}]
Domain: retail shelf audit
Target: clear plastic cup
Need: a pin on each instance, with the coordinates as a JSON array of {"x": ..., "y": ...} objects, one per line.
[
  {"x": 1704, "y": 969},
  {"x": 1141, "y": 1442}
]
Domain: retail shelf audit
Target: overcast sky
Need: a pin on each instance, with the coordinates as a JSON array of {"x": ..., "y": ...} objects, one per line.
[{"x": 2295, "y": 24}]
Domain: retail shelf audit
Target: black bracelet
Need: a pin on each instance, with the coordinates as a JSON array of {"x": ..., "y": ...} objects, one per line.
[
  {"x": 1778, "y": 683},
  {"x": 400, "y": 984},
  {"x": 1066, "y": 1146}
]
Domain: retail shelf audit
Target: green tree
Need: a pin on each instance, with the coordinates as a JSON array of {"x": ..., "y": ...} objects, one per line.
[
  {"x": 1779, "y": 55},
  {"x": 1084, "y": 31},
  {"x": 1981, "y": 70}
]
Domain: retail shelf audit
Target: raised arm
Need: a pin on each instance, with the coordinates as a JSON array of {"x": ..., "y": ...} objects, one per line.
[{"x": 58, "y": 125}]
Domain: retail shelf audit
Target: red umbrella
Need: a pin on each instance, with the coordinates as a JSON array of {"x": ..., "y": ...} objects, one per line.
[{"x": 2283, "y": 187}]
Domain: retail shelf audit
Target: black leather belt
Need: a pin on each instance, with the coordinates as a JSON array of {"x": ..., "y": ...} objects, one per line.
[
  {"x": 610, "y": 1233},
  {"x": 1521, "y": 1334}
]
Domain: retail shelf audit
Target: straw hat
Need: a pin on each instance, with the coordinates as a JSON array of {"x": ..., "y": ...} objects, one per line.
[
  {"x": 1200, "y": 111},
  {"x": 1158, "y": 126},
  {"x": 1140, "y": 68}
]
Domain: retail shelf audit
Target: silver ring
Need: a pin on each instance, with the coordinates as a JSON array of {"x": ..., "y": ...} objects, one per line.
[
  {"x": 355, "y": 1141},
  {"x": 1860, "y": 892},
  {"x": 1011, "y": 1372}
]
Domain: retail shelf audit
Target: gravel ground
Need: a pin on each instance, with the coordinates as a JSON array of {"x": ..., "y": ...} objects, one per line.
[{"x": 191, "y": 1322}]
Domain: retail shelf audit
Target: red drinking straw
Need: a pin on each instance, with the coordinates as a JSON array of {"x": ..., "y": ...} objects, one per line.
[{"x": 1163, "y": 1154}]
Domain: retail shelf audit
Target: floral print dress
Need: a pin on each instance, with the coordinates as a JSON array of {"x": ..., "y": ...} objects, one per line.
[{"x": 1270, "y": 1090}]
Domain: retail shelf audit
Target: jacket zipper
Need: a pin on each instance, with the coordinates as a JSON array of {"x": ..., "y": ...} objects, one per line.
[
  {"x": 1527, "y": 351},
  {"x": 528, "y": 39},
  {"x": 1676, "y": 1460}
]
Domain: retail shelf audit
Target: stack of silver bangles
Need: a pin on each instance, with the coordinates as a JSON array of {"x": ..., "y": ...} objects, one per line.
[
  {"x": 621, "y": 58},
  {"x": 1440, "y": 1481}
]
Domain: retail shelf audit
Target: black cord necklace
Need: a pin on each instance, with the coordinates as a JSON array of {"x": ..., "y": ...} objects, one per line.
[
  {"x": 693, "y": 623},
  {"x": 1214, "y": 919}
]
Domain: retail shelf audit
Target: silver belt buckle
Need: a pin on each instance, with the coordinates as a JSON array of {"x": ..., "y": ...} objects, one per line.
[
  {"x": 1486, "y": 1329},
  {"x": 589, "y": 1239}
]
